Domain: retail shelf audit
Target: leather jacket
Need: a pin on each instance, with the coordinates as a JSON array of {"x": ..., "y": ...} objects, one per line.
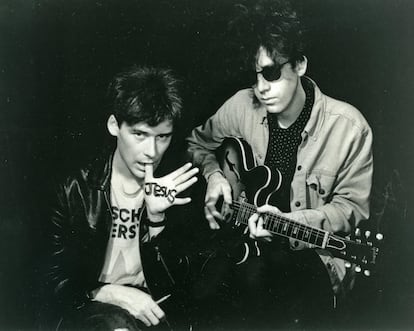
[{"x": 79, "y": 232}]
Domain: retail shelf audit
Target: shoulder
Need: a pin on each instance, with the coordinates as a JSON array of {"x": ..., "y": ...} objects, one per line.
[
  {"x": 89, "y": 175},
  {"x": 349, "y": 113},
  {"x": 341, "y": 112},
  {"x": 241, "y": 99},
  {"x": 73, "y": 183}
]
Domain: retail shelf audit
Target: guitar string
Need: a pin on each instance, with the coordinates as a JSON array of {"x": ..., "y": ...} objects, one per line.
[{"x": 279, "y": 220}]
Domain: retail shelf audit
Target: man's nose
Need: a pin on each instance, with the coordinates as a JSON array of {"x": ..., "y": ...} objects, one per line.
[
  {"x": 262, "y": 84},
  {"x": 151, "y": 147}
]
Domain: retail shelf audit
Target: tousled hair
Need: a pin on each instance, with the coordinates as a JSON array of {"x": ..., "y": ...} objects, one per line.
[
  {"x": 145, "y": 94},
  {"x": 271, "y": 24}
]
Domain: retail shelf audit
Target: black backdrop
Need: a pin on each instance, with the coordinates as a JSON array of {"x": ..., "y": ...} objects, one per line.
[{"x": 57, "y": 56}]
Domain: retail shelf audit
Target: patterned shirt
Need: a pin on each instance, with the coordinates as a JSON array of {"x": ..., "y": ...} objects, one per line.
[{"x": 283, "y": 146}]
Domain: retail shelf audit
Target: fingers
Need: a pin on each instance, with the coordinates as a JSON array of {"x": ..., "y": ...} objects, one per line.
[
  {"x": 212, "y": 196},
  {"x": 211, "y": 220},
  {"x": 151, "y": 315},
  {"x": 256, "y": 229},
  {"x": 268, "y": 209},
  {"x": 180, "y": 171},
  {"x": 149, "y": 169},
  {"x": 226, "y": 189},
  {"x": 252, "y": 223},
  {"x": 183, "y": 186},
  {"x": 182, "y": 201},
  {"x": 211, "y": 211},
  {"x": 144, "y": 320},
  {"x": 158, "y": 312},
  {"x": 186, "y": 176}
]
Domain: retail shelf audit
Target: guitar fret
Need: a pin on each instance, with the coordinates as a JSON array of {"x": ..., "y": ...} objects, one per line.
[
  {"x": 238, "y": 217},
  {"x": 266, "y": 221},
  {"x": 281, "y": 225},
  {"x": 295, "y": 231},
  {"x": 306, "y": 235}
]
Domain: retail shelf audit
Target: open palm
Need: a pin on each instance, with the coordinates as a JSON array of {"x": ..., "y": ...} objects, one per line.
[{"x": 160, "y": 193}]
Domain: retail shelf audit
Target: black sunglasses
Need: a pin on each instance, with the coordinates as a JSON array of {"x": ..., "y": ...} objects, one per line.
[{"x": 271, "y": 73}]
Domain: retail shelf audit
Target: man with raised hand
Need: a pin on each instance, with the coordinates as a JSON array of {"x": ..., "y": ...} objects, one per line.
[{"x": 113, "y": 231}]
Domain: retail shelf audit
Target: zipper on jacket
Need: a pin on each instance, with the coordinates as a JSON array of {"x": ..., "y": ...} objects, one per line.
[{"x": 161, "y": 259}]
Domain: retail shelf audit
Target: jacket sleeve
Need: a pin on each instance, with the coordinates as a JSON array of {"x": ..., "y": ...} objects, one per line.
[
  {"x": 349, "y": 203},
  {"x": 65, "y": 281},
  {"x": 206, "y": 138}
]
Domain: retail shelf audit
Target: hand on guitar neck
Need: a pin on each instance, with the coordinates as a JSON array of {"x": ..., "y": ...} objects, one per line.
[{"x": 256, "y": 222}]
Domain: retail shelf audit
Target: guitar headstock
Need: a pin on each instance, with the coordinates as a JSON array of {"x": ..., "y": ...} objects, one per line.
[
  {"x": 359, "y": 250},
  {"x": 363, "y": 250}
]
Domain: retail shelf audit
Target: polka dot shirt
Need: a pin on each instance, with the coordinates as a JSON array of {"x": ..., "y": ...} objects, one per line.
[{"x": 284, "y": 142}]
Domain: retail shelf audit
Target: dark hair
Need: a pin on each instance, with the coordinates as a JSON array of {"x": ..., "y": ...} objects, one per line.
[
  {"x": 145, "y": 94},
  {"x": 271, "y": 24}
]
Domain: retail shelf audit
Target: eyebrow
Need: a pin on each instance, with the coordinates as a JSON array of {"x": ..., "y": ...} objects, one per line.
[{"x": 147, "y": 132}]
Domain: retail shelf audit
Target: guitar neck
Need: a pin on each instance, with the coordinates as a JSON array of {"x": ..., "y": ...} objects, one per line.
[{"x": 280, "y": 225}]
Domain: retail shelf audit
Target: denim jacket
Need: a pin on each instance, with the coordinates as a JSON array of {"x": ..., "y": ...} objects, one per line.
[{"x": 333, "y": 177}]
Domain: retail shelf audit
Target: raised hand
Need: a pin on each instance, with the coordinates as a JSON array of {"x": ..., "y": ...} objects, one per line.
[{"x": 160, "y": 193}]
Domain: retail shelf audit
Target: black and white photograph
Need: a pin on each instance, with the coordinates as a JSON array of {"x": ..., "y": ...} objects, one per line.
[{"x": 206, "y": 165}]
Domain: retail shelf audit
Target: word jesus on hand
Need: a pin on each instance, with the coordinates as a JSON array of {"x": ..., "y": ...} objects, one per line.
[{"x": 160, "y": 191}]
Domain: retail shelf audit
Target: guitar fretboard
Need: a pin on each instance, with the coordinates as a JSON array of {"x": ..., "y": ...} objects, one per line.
[{"x": 280, "y": 225}]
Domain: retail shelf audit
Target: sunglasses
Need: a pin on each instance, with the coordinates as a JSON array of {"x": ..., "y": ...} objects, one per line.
[{"x": 271, "y": 73}]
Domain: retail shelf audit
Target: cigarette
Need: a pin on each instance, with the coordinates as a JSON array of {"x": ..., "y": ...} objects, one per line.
[{"x": 162, "y": 299}]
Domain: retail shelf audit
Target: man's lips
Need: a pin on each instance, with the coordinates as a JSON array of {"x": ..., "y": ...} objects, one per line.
[
  {"x": 269, "y": 101},
  {"x": 141, "y": 165}
]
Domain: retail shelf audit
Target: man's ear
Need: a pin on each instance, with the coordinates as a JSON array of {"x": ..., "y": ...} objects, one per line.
[
  {"x": 112, "y": 125},
  {"x": 301, "y": 66}
]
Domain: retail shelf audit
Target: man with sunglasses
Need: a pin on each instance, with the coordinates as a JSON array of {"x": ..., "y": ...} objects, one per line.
[{"x": 323, "y": 150}]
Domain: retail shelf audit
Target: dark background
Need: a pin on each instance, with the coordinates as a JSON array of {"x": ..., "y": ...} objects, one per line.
[{"x": 57, "y": 57}]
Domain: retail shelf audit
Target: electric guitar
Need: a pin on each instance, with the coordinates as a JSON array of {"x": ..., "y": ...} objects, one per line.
[{"x": 254, "y": 185}]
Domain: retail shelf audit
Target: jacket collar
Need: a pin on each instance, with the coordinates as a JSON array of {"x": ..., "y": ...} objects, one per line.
[{"x": 317, "y": 117}]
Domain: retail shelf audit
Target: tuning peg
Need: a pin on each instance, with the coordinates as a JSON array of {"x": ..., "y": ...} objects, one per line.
[
  {"x": 357, "y": 232},
  {"x": 358, "y": 269},
  {"x": 367, "y": 234},
  {"x": 379, "y": 236},
  {"x": 367, "y": 273},
  {"x": 347, "y": 265}
]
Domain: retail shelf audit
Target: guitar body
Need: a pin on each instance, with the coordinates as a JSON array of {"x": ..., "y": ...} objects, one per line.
[{"x": 258, "y": 184}]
